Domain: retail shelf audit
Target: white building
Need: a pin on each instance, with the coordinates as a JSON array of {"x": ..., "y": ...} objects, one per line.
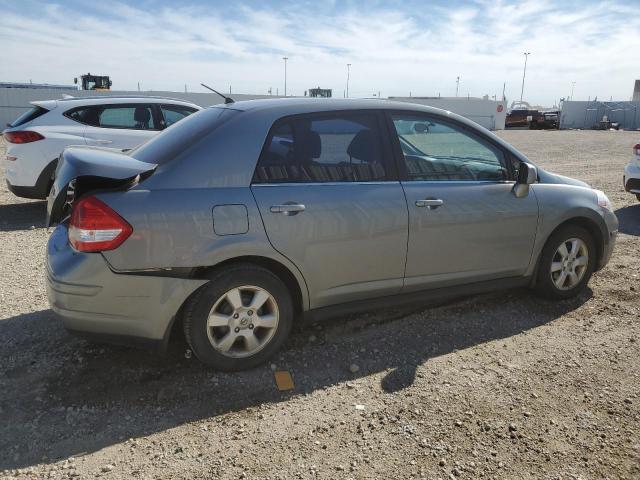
[{"x": 491, "y": 114}]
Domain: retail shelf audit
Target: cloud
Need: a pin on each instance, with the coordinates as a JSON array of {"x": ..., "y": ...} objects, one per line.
[{"x": 394, "y": 47}]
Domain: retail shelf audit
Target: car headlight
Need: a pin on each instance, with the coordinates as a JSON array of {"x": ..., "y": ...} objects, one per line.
[{"x": 603, "y": 200}]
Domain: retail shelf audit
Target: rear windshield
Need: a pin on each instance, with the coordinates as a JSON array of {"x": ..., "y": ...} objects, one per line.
[
  {"x": 27, "y": 116},
  {"x": 178, "y": 137}
]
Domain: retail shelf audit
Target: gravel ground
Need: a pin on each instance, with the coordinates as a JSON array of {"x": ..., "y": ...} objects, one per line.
[{"x": 503, "y": 385}]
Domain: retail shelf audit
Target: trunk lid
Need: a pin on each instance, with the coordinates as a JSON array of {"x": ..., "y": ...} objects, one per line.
[{"x": 84, "y": 169}]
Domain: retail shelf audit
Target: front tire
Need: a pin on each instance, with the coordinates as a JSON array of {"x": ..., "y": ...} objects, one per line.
[
  {"x": 567, "y": 263},
  {"x": 239, "y": 319}
]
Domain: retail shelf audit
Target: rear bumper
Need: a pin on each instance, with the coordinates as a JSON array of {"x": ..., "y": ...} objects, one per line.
[
  {"x": 38, "y": 191},
  {"x": 26, "y": 192},
  {"x": 94, "y": 301}
]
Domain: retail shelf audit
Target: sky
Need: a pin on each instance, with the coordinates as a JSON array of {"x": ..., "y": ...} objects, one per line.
[{"x": 395, "y": 48}]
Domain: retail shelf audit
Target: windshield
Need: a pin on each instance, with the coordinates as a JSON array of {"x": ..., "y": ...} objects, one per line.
[{"x": 178, "y": 137}]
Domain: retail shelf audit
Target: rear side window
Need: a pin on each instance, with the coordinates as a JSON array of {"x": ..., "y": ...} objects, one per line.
[
  {"x": 28, "y": 116},
  {"x": 343, "y": 147},
  {"x": 175, "y": 113},
  {"x": 129, "y": 116}
]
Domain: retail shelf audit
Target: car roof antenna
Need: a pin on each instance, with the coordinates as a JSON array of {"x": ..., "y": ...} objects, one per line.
[{"x": 227, "y": 100}]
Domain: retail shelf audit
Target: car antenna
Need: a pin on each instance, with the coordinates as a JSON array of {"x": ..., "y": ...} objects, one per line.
[{"x": 226, "y": 99}]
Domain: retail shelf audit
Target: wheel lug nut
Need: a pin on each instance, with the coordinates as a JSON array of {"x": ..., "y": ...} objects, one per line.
[
  {"x": 235, "y": 315},
  {"x": 250, "y": 312},
  {"x": 236, "y": 329},
  {"x": 251, "y": 326}
]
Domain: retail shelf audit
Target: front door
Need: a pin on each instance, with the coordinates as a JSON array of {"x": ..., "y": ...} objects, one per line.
[
  {"x": 465, "y": 224},
  {"x": 331, "y": 202}
]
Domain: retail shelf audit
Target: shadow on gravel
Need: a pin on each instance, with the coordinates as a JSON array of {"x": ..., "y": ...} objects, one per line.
[
  {"x": 64, "y": 397},
  {"x": 22, "y": 216},
  {"x": 629, "y": 218}
]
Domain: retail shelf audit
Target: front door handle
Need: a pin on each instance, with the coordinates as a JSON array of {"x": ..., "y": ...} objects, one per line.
[
  {"x": 430, "y": 203},
  {"x": 288, "y": 208}
]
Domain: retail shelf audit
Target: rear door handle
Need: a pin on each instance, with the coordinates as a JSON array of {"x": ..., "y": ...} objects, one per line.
[
  {"x": 430, "y": 203},
  {"x": 288, "y": 208}
]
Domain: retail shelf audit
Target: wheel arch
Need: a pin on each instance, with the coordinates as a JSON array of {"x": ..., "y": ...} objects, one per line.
[
  {"x": 298, "y": 291},
  {"x": 590, "y": 225},
  {"x": 295, "y": 285}
]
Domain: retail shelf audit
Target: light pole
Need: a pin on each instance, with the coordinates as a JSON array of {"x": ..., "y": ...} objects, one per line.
[
  {"x": 524, "y": 73},
  {"x": 573, "y": 84},
  {"x": 285, "y": 75},
  {"x": 457, "y": 85},
  {"x": 348, "y": 72}
]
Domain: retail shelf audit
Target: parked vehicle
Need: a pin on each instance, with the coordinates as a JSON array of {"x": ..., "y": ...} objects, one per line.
[
  {"x": 521, "y": 114},
  {"x": 521, "y": 118},
  {"x": 631, "y": 179},
  {"x": 549, "y": 120},
  {"x": 37, "y": 137},
  {"x": 247, "y": 217}
]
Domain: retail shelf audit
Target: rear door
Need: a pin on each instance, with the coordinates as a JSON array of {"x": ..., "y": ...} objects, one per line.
[
  {"x": 465, "y": 224},
  {"x": 121, "y": 126},
  {"x": 330, "y": 201}
]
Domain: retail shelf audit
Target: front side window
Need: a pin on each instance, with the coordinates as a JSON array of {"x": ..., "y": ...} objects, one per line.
[
  {"x": 134, "y": 117},
  {"x": 175, "y": 113},
  {"x": 438, "y": 151},
  {"x": 344, "y": 147}
]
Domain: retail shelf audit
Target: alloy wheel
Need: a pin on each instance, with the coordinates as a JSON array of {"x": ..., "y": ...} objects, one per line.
[
  {"x": 569, "y": 263},
  {"x": 242, "y": 321}
]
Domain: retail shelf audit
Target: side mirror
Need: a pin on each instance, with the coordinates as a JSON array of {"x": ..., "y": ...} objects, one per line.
[{"x": 527, "y": 175}]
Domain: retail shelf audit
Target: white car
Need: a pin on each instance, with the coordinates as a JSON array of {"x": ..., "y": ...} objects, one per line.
[
  {"x": 631, "y": 177},
  {"x": 36, "y": 138}
]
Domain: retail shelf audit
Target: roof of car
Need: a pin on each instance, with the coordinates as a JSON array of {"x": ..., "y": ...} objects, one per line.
[
  {"x": 111, "y": 99},
  {"x": 280, "y": 107},
  {"x": 326, "y": 104}
]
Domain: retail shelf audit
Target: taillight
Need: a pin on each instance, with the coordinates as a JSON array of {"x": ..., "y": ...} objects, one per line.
[
  {"x": 636, "y": 149},
  {"x": 95, "y": 227},
  {"x": 24, "y": 136}
]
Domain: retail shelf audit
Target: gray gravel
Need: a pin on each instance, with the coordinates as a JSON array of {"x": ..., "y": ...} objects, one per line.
[{"x": 503, "y": 385}]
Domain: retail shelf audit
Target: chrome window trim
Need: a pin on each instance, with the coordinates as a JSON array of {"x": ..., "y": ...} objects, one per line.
[
  {"x": 394, "y": 182},
  {"x": 308, "y": 184},
  {"x": 461, "y": 182}
]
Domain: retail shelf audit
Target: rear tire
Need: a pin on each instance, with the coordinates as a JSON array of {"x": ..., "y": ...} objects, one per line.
[
  {"x": 567, "y": 262},
  {"x": 239, "y": 319}
]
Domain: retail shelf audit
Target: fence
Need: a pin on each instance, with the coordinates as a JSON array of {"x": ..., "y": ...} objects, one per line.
[{"x": 589, "y": 114}]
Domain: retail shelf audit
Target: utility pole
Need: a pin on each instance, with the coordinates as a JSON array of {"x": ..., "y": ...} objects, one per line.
[
  {"x": 285, "y": 75},
  {"x": 348, "y": 74},
  {"x": 524, "y": 73},
  {"x": 573, "y": 84},
  {"x": 457, "y": 85}
]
